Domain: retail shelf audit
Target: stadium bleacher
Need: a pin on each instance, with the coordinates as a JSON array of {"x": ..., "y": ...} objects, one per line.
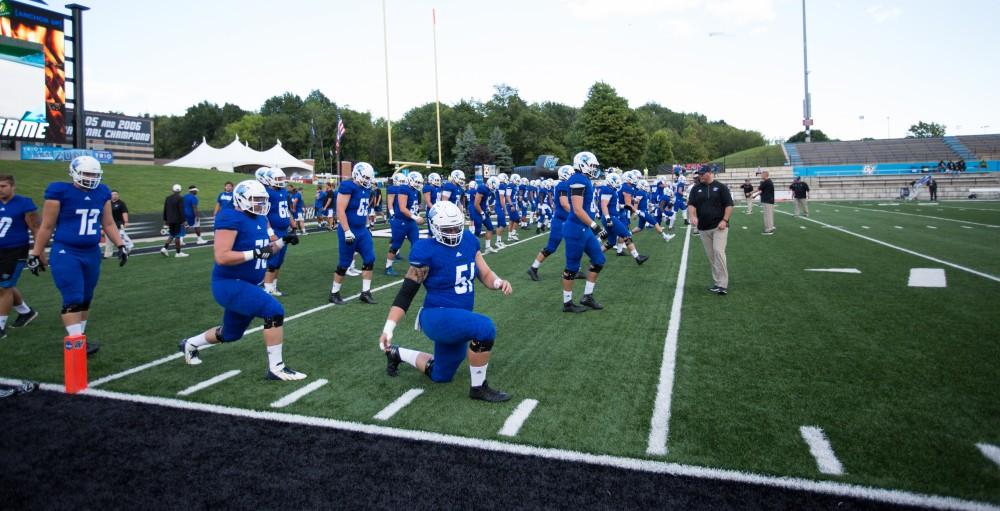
[
  {"x": 874, "y": 151},
  {"x": 985, "y": 147}
]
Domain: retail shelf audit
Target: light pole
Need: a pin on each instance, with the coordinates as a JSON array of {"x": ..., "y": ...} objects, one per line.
[{"x": 806, "y": 103}]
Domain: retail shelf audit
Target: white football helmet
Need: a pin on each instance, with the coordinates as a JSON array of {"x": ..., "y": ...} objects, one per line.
[
  {"x": 457, "y": 177},
  {"x": 251, "y": 196},
  {"x": 271, "y": 176},
  {"x": 643, "y": 185},
  {"x": 86, "y": 172},
  {"x": 434, "y": 179},
  {"x": 472, "y": 186},
  {"x": 515, "y": 179},
  {"x": 492, "y": 182},
  {"x": 447, "y": 223},
  {"x": 503, "y": 178},
  {"x": 399, "y": 179},
  {"x": 614, "y": 181},
  {"x": 363, "y": 174},
  {"x": 564, "y": 172},
  {"x": 587, "y": 163},
  {"x": 629, "y": 178},
  {"x": 416, "y": 180}
]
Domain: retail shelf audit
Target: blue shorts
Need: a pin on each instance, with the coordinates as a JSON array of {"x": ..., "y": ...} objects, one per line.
[
  {"x": 480, "y": 222},
  {"x": 451, "y": 330},
  {"x": 555, "y": 236},
  {"x": 192, "y": 221},
  {"x": 363, "y": 245},
  {"x": 10, "y": 279},
  {"x": 616, "y": 229},
  {"x": 75, "y": 272},
  {"x": 645, "y": 219},
  {"x": 579, "y": 240},
  {"x": 278, "y": 258},
  {"x": 501, "y": 218},
  {"x": 514, "y": 215},
  {"x": 242, "y": 301},
  {"x": 401, "y": 231}
]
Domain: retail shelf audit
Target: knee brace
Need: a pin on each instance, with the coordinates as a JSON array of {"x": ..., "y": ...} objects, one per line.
[
  {"x": 274, "y": 321},
  {"x": 221, "y": 338},
  {"x": 546, "y": 252},
  {"x": 609, "y": 244},
  {"x": 341, "y": 271},
  {"x": 596, "y": 268},
  {"x": 368, "y": 266},
  {"x": 627, "y": 240},
  {"x": 273, "y": 270},
  {"x": 73, "y": 307},
  {"x": 569, "y": 275},
  {"x": 481, "y": 346},
  {"x": 429, "y": 368}
]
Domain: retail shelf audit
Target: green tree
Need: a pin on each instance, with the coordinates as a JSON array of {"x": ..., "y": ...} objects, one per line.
[
  {"x": 816, "y": 135},
  {"x": 925, "y": 130},
  {"x": 659, "y": 151},
  {"x": 690, "y": 149},
  {"x": 500, "y": 150},
  {"x": 610, "y": 128},
  {"x": 465, "y": 143},
  {"x": 249, "y": 128}
]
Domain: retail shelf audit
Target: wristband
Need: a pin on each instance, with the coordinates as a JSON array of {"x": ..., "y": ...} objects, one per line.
[
  {"x": 389, "y": 327},
  {"x": 593, "y": 225},
  {"x": 270, "y": 232},
  {"x": 497, "y": 283},
  {"x": 248, "y": 255},
  {"x": 279, "y": 244}
]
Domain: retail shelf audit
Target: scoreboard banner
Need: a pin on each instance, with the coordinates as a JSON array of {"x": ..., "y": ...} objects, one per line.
[
  {"x": 52, "y": 153},
  {"x": 114, "y": 128}
]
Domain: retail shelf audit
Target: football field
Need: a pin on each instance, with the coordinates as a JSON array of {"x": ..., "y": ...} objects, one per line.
[{"x": 857, "y": 353}]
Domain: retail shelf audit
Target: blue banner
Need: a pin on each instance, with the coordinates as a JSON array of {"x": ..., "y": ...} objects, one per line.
[{"x": 52, "y": 153}]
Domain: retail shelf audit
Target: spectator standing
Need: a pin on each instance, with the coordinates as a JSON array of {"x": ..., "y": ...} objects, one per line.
[
  {"x": 119, "y": 212},
  {"x": 932, "y": 187},
  {"x": 800, "y": 192},
  {"x": 710, "y": 206},
  {"x": 748, "y": 194},
  {"x": 173, "y": 217},
  {"x": 225, "y": 198},
  {"x": 766, "y": 192}
]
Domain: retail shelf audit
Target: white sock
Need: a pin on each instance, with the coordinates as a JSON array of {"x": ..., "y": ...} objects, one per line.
[
  {"x": 3, "y": 322},
  {"x": 75, "y": 329},
  {"x": 23, "y": 308},
  {"x": 478, "y": 375},
  {"x": 634, "y": 252},
  {"x": 488, "y": 241},
  {"x": 567, "y": 296},
  {"x": 274, "y": 355},
  {"x": 274, "y": 284},
  {"x": 409, "y": 356},
  {"x": 588, "y": 288},
  {"x": 198, "y": 340},
  {"x": 388, "y": 263},
  {"x": 269, "y": 286},
  {"x": 535, "y": 264},
  {"x": 335, "y": 288},
  {"x": 83, "y": 326},
  {"x": 366, "y": 284}
]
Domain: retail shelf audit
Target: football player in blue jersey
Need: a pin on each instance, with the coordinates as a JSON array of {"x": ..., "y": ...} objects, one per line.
[
  {"x": 499, "y": 197},
  {"x": 225, "y": 198},
  {"x": 582, "y": 234},
  {"x": 447, "y": 266},
  {"x": 353, "y": 233},
  {"x": 318, "y": 212},
  {"x": 405, "y": 219},
  {"x": 295, "y": 207},
  {"x": 562, "y": 209},
  {"x": 480, "y": 213},
  {"x": 279, "y": 218},
  {"x": 18, "y": 217},
  {"x": 648, "y": 204},
  {"x": 680, "y": 203},
  {"x": 191, "y": 216},
  {"x": 431, "y": 190},
  {"x": 454, "y": 189},
  {"x": 511, "y": 201},
  {"x": 242, "y": 247},
  {"x": 609, "y": 209},
  {"x": 77, "y": 212}
]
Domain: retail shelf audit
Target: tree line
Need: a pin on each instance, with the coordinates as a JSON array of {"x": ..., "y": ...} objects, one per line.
[{"x": 505, "y": 130}]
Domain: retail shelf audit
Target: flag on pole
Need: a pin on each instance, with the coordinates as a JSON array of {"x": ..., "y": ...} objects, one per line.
[{"x": 340, "y": 130}]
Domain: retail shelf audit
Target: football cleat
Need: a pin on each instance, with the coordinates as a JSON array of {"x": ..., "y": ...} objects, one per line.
[
  {"x": 353, "y": 272},
  {"x": 165, "y": 252},
  {"x": 489, "y": 250},
  {"x": 336, "y": 299},
  {"x": 390, "y": 272},
  {"x": 721, "y": 291},
  {"x": 274, "y": 292},
  {"x": 538, "y": 230},
  {"x": 622, "y": 253},
  {"x": 392, "y": 361},
  {"x": 182, "y": 254},
  {"x": 533, "y": 273},
  {"x": 191, "y": 356},
  {"x": 572, "y": 307},
  {"x": 485, "y": 393},
  {"x": 641, "y": 259},
  {"x": 284, "y": 373},
  {"x": 588, "y": 301},
  {"x": 24, "y": 319},
  {"x": 201, "y": 241},
  {"x": 713, "y": 289},
  {"x": 92, "y": 348},
  {"x": 366, "y": 296}
]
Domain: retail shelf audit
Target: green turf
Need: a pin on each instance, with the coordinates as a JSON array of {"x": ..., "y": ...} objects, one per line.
[
  {"x": 902, "y": 380},
  {"x": 142, "y": 187},
  {"x": 763, "y": 156}
]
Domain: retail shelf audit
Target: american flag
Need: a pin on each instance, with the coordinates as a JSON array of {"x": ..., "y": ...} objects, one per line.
[{"x": 340, "y": 131}]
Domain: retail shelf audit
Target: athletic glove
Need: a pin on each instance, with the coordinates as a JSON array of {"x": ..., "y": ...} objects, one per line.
[
  {"x": 598, "y": 230},
  {"x": 262, "y": 252},
  {"x": 291, "y": 239},
  {"x": 349, "y": 237},
  {"x": 34, "y": 264},
  {"x": 122, "y": 256}
]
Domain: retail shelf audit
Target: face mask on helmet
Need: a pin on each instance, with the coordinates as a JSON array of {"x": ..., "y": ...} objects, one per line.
[
  {"x": 363, "y": 174},
  {"x": 447, "y": 223},
  {"x": 86, "y": 172},
  {"x": 250, "y": 196}
]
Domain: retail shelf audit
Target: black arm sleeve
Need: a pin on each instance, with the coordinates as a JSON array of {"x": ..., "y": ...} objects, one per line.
[
  {"x": 406, "y": 293},
  {"x": 577, "y": 191}
]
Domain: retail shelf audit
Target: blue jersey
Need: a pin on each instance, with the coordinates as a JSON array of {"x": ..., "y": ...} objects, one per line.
[
  {"x": 454, "y": 192},
  {"x": 320, "y": 200},
  {"x": 225, "y": 200},
  {"x": 679, "y": 189},
  {"x": 251, "y": 233},
  {"x": 561, "y": 190},
  {"x": 643, "y": 197},
  {"x": 357, "y": 205},
  {"x": 606, "y": 192},
  {"x": 484, "y": 194},
  {"x": 434, "y": 191},
  {"x": 13, "y": 228},
  {"x": 80, "y": 213},
  {"x": 412, "y": 201},
  {"x": 278, "y": 215},
  {"x": 190, "y": 204},
  {"x": 452, "y": 271},
  {"x": 579, "y": 181},
  {"x": 295, "y": 202}
]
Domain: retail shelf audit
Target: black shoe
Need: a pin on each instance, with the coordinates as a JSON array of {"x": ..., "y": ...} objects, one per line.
[
  {"x": 572, "y": 307},
  {"x": 24, "y": 319},
  {"x": 366, "y": 296},
  {"x": 623, "y": 253},
  {"x": 485, "y": 393},
  {"x": 641, "y": 259},
  {"x": 538, "y": 230},
  {"x": 713, "y": 289},
  {"x": 392, "y": 361},
  {"x": 687, "y": 223},
  {"x": 3, "y": 333},
  {"x": 336, "y": 299},
  {"x": 92, "y": 347},
  {"x": 721, "y": 290},
  {"x": 588, "y": 301},
  {"x": 533, "y": 273}
]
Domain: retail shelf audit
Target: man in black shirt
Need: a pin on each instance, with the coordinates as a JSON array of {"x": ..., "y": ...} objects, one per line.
[
  {"x": 710, "y": 206},
  {"x": 748, "y": 194},
  {"x": 766, "y": 193},
  {"x": 173, "y": 217},
  {"x": 932, "y": 187},
  {"x": 119, "y": 212},
  {"x": 800, "y": 192}
]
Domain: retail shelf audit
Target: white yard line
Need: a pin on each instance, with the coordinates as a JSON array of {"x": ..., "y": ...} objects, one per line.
[
  {"x": 398, "y": 404},
  {"x": 990, "y": 451},
  {"x": 929, "y": 216},
  {"x": 299, "y": 394},
  {"x": 659, "y": 424},
  {"x": 835, "y": 270},
  {"x": 888, "y": 496},
  {"x": 168, "y": 358},
  {"x": 819, "y": 447},
  {"x": 208, "y": 383},
  {"x": 520, "y": 414},
  {"x": 908, "y": 251}
]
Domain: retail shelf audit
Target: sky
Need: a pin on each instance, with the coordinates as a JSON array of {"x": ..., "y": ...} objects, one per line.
[{"x": 876, "y": 67}]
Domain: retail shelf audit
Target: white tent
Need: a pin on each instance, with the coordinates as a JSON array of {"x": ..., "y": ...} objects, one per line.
[{"x": 237, "y": 154}]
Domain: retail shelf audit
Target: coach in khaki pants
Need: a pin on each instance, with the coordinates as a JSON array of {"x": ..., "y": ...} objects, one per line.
[
  {"x": 766, "y": 193},
  {"x": 710, "y": 205}
]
